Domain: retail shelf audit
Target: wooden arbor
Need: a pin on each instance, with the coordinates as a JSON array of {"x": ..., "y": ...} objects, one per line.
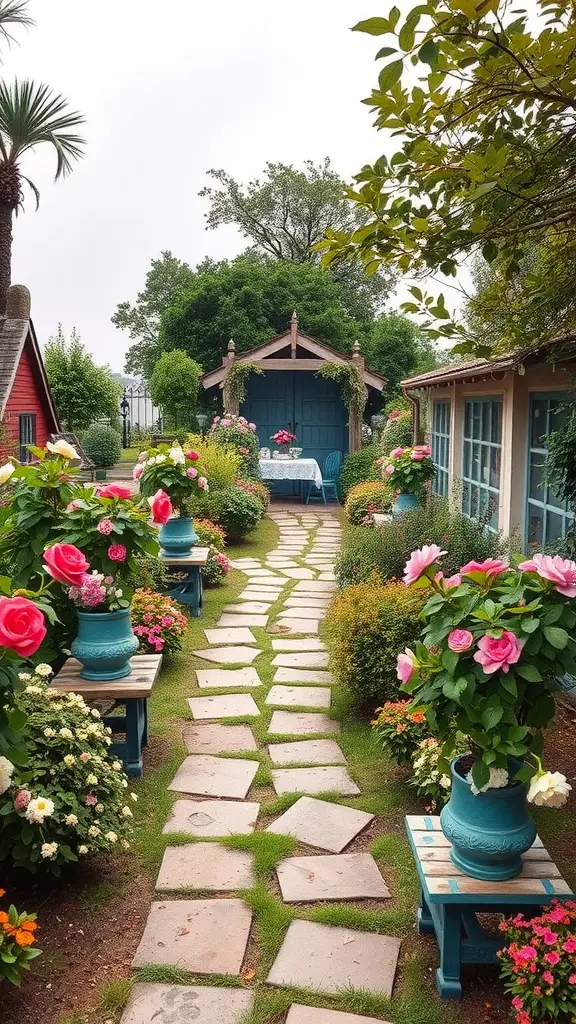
[{"x": 290, "y": 351}]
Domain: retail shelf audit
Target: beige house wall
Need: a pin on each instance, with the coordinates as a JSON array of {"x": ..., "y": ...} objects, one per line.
[{"x": 515, "y": 388}]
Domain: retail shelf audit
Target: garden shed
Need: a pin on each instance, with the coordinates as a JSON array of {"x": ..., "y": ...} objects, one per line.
[{"x": 290, "y": 392}]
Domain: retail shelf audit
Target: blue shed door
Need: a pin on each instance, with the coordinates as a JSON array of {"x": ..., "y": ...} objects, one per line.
[{"x": 311, "y": 404}]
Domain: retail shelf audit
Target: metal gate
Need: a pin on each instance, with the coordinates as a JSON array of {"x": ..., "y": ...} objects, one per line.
[{"x": 138, "y": 412}]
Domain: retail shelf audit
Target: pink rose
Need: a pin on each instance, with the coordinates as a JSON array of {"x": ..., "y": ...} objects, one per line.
[
  {"x": 517, "y": 1003},
  {"x": 137, "y": 471},
  {"x": 405, "y": 665},
  {"x": 23, "y": 798},
  {"x": 527, "y": 953},
  {"x": 72, "y": 506},
  {"x": 66, "y": 563},
  {"x": 161, "y": 507},
  {"x": 393, "y": 415},
  {"x": 389, "y": 470},
  {"x": 113, "y": 491},
  {"x": 572, "y": 979},
  {"x": 453, "y": 581},
  {"x": 550, "y": 938},
  {"x": 203, "y": 483},
  {"x": 460, "y": 640},
  {"x": 420, "y": 560},
  {"x": 117, "y": 553},
  {"x": 548, "y": 977},
  {"x": 252, "y": 427},
  {"x": 22, "y": 626},
  {"x": 396, "y": 452},
  {"x": 416, "y": 456},
  {"x": 105, "y": 526},
  {"x": 569, "y": 946},
  {"x": 560, "y": 571},
  {"x": 191, "y": 472},
  {"x": 424, "y": 448},
  {"x": 496, "y": 655},
  {"x": 91, "y": 800},
  {"x": 193, "y": 456},
  {"x": 552, "y": 958},
  {"x": 490, "y": 566}
]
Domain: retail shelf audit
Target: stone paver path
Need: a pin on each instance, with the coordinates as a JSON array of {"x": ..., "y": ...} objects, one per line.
[{"x": 281, "y": 608}]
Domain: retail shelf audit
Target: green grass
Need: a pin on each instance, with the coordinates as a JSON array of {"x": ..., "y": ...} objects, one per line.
[
  {"x": 129, "y": 455},
  {"x": 415, "y": 1001}
]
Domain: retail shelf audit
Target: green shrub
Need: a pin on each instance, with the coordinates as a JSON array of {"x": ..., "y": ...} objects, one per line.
[
  {"x": 103, "y": 445},
  {"x": 366, "y": 626},
  {"x": 215, "y": 571},
  {"x": 140, "y": 437},
  {"x": 236, "y": 511},
  {"x": 357, "y": 467},
  {"x": 258, "y": 489},
  {"x": 222, "y": 461},
  {"x": 209, "y": 534},
  {"x": 365, "y": 498},
  {"x": 149, "y": 574},
  {"x": 388, "y": 547},
  {"x": 397, "y": 433},
  {"x": 235, "y": 432}
]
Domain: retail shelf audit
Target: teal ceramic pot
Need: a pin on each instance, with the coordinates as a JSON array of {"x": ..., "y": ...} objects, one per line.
[
  {"x": 105, "y": 644},
  {"x": 489, "y": 832},
  {"x": 404, "y": 503},
  {"x": 177, "y": 537}
]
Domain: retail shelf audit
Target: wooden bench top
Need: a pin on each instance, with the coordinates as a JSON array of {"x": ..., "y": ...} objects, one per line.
[
  {"x": 198, "y": 556},
  {"x": 443, "y": 882},
  {"x": 145, "y": 669}
]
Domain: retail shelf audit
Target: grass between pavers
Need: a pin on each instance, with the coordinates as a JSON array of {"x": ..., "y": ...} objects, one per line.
[{"x": 382, "y": 794}]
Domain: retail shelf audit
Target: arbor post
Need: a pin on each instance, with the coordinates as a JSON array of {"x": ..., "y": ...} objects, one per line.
[
  {"x": 355, "y": 420},
  {"x": 230, "y": 403}
]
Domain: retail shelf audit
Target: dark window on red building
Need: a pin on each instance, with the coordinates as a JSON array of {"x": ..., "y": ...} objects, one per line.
[{"x": 27, "y": 434}]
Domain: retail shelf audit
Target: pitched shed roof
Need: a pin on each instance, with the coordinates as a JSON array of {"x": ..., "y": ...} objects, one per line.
[
  {"x": 559, "y": 349},
  {"x": 15, "y": 331}
]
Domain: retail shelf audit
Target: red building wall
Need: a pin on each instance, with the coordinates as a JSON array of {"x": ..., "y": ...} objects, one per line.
[{"x": 28, "y": 395}]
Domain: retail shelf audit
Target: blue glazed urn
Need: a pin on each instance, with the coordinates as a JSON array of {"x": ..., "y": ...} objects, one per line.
[
  {"x": 105, "y": 644},
  {"x": 177, "y": 537},
  {"x": 489, "y": 832},
  {"x": 405, "y": 502}
]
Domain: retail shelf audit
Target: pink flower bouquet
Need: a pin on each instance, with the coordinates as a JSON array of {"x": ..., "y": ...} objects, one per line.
[
  {"x": 283, "y": 438},
  {"x": 497, "y": 639},
  {"x": 539, "y": 964},
  {"x": 408, "y": 469}
]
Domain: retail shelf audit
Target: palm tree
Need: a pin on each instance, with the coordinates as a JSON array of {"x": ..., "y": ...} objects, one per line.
[
  {"x": 30, "y": 114},
  {"x": 13, "y": 12}
]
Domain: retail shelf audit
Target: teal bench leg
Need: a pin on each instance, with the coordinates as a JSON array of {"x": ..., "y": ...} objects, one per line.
[
  {"x": 449, "y": 935},
  {"x": 189, "y": 590},
  {"x": 134, "y": 723}
]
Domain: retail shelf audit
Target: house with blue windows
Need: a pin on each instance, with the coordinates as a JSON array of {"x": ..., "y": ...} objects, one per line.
[{"x": 488, "y": 421}]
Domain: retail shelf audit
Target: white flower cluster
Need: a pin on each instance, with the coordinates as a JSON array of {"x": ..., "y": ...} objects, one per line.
[
  {"x": 498, "y": 779},
  {"x": 6, "y": 773}
]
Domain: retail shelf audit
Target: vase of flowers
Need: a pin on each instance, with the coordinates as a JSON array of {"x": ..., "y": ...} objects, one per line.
[
  {"x": 169, "y": 478},
  {"x": 408, "y": 470},
  {"x": 497, "y": 639},
  {"x": 283, "y": 439}
]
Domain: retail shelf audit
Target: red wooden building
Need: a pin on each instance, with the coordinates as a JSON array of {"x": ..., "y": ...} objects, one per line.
[{"x": 27, "y": 411}]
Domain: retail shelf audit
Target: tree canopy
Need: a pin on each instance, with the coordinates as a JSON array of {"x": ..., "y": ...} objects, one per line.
[
  {"x": 167, "y": 278},
  {"x": 398, "y": 349},
  {"x": 174, "y": 386},
  {"x": 83, "y": 392},
  {"x": 284, "y": 213},
  {"x": 483, "y": 98}
]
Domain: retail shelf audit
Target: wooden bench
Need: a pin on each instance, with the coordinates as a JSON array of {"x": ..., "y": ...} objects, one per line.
[
  {"x": 131, "y": 693},
  {"x": 188, "y": 590},
  {"x": 450, "y": 900}
]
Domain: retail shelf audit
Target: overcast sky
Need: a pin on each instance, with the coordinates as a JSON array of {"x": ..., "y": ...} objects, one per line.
[{"x": 169, "y": 90}]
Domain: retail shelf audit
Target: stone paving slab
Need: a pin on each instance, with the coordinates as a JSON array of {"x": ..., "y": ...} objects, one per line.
[
  {"x": 263, "y": 573},
  {"x": 228, "y": 705},
  {"x": 229, "y": 655},
  {"x": 304, "y": 659},
  {"x": 327, "y": 576},
  {"x": 248, "y": 608},
  {"x": 310, "y": 611},
  {"x": 320, "y": 823},
  {"x": 310, "y": 643},
  {"x": 212, "y": 677},
  {"x": 293, "y": 625},
  {"x": 281, "y": 563},
  {"x": 313, "y": 1015},
  {"x": 154, "y": 1003},
  {"x": 299, "y": 696},
  {"x": 302, "y": 601},
  {"x": 204, "y": 775},
  {"x": 245, "y": 563},
  {"x": 212, "y": 738},
  {"x": 205, "y": 866},
  {"x": 301, "y": 723},
  {"x": 302, "y": 675},
  {"x": 344, "y": 876},
  {"x": 212, "y": 818},
  {"x": 255, "y": 592},
  {"x": 204, "y": 936},
  {"x": 328, "y": 959},
  {"x": 314, "y": 780},
  {"x": 306, "y": 752},
  {"x": 228, "y": 620},
  {"x": 241, "y": 635},
  {"x": 299, "y": 574}
]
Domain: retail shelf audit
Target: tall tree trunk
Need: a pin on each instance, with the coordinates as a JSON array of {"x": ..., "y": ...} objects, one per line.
[{"x": 5, "y": 253}]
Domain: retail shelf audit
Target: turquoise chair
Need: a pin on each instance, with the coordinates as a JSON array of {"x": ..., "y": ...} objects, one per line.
[{"x": 330, "y": 472}]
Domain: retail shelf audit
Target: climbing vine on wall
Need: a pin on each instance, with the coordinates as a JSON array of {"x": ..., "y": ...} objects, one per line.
[
  {"x": 349, "y": 377},
  {"x": 236, "y": 379}
]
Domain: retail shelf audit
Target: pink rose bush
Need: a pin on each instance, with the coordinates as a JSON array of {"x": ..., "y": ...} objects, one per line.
[
  {"x": 174, "y": 472},
  {"x": 496, "y": 639},
  {"x": 538, "y": 964},
  {"x": 408, "y": 469}
]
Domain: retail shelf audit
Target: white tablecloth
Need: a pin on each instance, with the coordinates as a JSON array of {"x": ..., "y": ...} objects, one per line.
[{"x": 291, "y": 469}]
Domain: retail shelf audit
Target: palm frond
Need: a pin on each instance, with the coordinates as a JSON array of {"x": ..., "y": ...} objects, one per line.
[
  {"x": 31, "y": 114},
  {"x": 13, "y": 12}
]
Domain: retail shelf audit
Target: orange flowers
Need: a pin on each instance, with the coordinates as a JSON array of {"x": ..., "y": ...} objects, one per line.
[{"x": 24, "y": 938}]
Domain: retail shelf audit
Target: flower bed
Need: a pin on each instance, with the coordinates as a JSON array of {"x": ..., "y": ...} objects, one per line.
[{"x": 157, "y": 622}]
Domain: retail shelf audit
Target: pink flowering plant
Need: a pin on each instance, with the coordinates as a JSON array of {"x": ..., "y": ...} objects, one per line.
[
  {"x": 283, "y": 438},
  {"x": 497, "y": 639},
  {"x": 539, "y": 964},
  {"x": 408, "y": 469},
  {"x": 173, "y": 469},
  {"x": 157, "y": 622}
]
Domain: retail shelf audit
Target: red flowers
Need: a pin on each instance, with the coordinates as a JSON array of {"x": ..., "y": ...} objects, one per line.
[
  {"x": 65, "y": 563},
  {"x": 22, "y": 627},
  {"x": 193, "y": 456},
  {"x": 161, "y": 507},
  {"x": 113, "y": 491},
  {"x": 117, "y": 553}
]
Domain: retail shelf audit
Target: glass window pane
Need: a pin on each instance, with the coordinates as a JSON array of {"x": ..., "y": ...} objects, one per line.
[
  {"x": 539, "y": 422},
  {"x": 495, "y": 468},
  {"x": 468, "y": 420},
  {"x": 496, "y": 432},
  {"x": 476, "y": 420},
  {"x": 486, "y": 421},
  {"x": 535, "y": 526},
  {"x": 537, "y": 489},
  {"x": 484, "y": 463},
  {"x": 554, "y": 527}
]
